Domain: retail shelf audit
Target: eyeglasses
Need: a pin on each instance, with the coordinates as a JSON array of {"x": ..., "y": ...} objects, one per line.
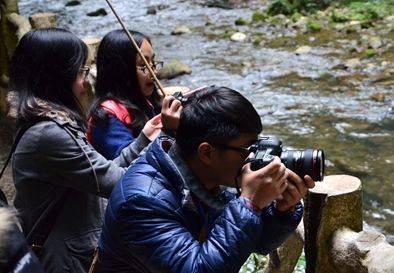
[
  {"x": 84, "y": 71},
  {"x": 244, "y": 150},
  {"x": 155, "y": 66}
]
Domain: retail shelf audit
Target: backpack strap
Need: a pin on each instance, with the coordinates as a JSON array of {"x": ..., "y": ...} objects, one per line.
[
  {"x": 118, "y": 110},
  {"x": 19, "y": 133}
]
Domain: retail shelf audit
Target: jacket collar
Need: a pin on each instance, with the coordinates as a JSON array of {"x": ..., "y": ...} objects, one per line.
[{"x": 191, "y": 184}]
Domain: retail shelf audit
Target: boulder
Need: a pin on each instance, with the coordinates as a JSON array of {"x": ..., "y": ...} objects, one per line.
[
  {"x": 179, "y": 30},
  {"x": 303, "y": 50},
  {"x": 173, "y": 69}
]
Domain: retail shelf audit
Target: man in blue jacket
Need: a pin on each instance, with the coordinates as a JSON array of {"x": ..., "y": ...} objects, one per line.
[{"x": 174, "y": 209}]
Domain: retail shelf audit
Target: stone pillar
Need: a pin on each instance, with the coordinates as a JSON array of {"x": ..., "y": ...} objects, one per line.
[
  {"x": 285, "y": 258},
  {"x": 334, "y": 203},
  {"x": 43, "y": 20}
]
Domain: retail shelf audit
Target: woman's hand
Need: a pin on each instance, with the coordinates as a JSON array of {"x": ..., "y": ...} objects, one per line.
[
  {"x": 153, "y": 127},
  {"x": 171, "y": 113}
]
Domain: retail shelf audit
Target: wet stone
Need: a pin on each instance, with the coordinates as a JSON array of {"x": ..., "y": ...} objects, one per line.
[
  {"x": 238, "y": 37},
  {"x": 99, "y": 12},
  {"x": 179, "y": 30}
]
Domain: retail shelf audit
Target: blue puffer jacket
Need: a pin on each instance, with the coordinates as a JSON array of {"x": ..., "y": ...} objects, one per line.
[{"x": 157, "y": 214}]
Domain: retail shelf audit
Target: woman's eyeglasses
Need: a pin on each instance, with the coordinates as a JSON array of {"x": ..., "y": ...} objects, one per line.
[
  {"x": 84, "y": 71},
  {"x": 155, "y": 66}
]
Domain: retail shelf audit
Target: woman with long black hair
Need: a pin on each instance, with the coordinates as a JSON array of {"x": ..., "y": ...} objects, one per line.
[
  {"x": 125, "y": 96},
  {"x": 59, "y": 177}
]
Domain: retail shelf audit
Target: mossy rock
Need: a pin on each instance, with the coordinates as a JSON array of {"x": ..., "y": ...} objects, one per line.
[
  {"x": 296, "y": 16},
  {"x": 259, "y": 16},
  {"x": 240, "y": 22},
  {"x": 73, "y": 3},
  {"x": 173, "y": 69},
  {"x": 314, "y": 26},
  {"x": 99, "y": 12},
  {"x": 370, "y": 52},
  {"x": 257, "y": 40}
]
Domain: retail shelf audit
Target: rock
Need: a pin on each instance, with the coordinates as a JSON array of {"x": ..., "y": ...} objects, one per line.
[
  {"x": 320, "y": 15},
  {"x": 99, "y": 12},
  {"x": 20, "y": 24},
  {"x": 379, "y": 97},
  {"x": 73, "y": 3},
  {"x": 179, "y": 30},
  {"x": 151, "y": 10},
  {"x": 274, "y": 61},
  {"x": 370, "y": 52},
  {"x": 302, "y": 23},
  {"x": 259, "y": 16},
  {"x": 354, "y": 23},
  {"x": 390, "y": 19},
  {"x": 173, "y": 69},
  {"x": 43, "y": 20},
  {"x": 240, "y": 22},
  {"x": 314, "y": 26},
  {"x": 223, "y": 4},
  {"x": 92, "y": 44},
  {"x": 365, "y": 251},
  {"x": 162, "y": 6},
  {"x": 303, "y": 50},
  {"x": 353, "y": 63},
  {"x": 257, "y": 40},
  {"x": 375, "y": 42},
  {"x": 238, "y": 37}
]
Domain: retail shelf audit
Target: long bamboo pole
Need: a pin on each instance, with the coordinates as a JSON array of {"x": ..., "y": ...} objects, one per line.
[{"x": 134, "y": 44}]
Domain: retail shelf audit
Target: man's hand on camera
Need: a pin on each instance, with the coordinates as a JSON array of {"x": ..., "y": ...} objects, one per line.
[
  {"x": 261, "y": 187},
  {"x": 170, "y": 113},
  {"x": 297, "y": 188}
]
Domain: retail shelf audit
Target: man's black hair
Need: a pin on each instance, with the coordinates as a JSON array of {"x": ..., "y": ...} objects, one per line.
[{"x": 215, "y": 115}]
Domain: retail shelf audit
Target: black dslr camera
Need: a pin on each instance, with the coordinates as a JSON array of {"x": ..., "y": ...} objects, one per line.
[{"x": 302, "y": 162}]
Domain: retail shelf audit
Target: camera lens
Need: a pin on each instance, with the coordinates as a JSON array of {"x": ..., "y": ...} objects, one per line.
[{"x": 305, "y": 162}]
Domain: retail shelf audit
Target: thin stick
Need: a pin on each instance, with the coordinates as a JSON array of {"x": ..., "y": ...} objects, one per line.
[{"x": 134, "y": 44}]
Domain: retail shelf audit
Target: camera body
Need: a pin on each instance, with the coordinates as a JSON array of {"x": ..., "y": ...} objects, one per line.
[{"x": 302, "y": 162}]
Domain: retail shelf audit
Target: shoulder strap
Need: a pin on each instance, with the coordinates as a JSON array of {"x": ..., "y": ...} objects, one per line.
[
  {"x": 19, "y": 133},
  {"x": 118, "y": 110}
]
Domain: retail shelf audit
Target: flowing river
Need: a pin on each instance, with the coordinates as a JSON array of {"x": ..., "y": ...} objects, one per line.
[{"x": 303, "y": 99}]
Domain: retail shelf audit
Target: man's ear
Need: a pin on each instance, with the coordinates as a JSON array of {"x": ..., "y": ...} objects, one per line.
[{"x": 205, "y": 152}]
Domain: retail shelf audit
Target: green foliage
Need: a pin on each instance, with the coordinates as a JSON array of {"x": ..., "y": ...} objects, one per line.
[
  {"x": 289, "y": 7},
  {"x": 254, "y": 264},
  {"x": 363, "y": 11},
  {"x": 259, "y": 16},
  {"x": 280, "y": 7}
]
